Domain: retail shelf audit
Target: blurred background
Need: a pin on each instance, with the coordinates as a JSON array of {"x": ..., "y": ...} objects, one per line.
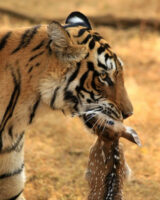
[{"x": 57, "y": 147}]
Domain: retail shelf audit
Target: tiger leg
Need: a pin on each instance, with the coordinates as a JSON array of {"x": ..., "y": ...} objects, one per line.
[{"x": 12, "y": 176}]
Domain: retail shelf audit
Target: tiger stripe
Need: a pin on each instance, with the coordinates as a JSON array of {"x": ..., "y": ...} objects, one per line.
[
  {"x": 18, "y": 171},
  {"x": 95, "y": 75},
  {"x": 15, "y": 147},
  {"x": 85, "y": 40},
  {"x": 73, "y": 76},
  {"x": 10, "y": 131},
  {"x": 26, "y": 38},
  {"x": 12, "y": 103},
  {"x": 81, "y": 32},
  {"x": 38, "y": 46},
  {"x": 37, "y": 64},
  {"x": 15, "y": 197},
  {"x": 35, "y": 56},
  {"x": 30, "y": 69},
  {"x": 82, "y": 80},
  {"x": 35, "y": 106},
  {"x": 100, "y": 50},
  {"x": 92, "y": 44},
  {"x": 68, "y": 96},
  {"x": 3, "y": 41},
  {"x": 48, "y": 47},
  {"x": 54, "y": 97},
  {"x": 97, "y": 37},
  {"x": 56, "y": 66}
]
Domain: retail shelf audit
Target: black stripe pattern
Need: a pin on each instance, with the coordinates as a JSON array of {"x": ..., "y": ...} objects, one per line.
[
  {"x": 15, "y": 197},
  {"x": 15, "y": 147},
  {"x": 10, "y": 131},
  {"x": 73, "y": 76},
  {"x": 85, "y": 40},
  {"x": 54, "y": 97},
  {"x": 30, "y": 69},
  {"x": 35, "y": 56},
  {"x": 11, "y": 105},
  {"x": 91, "y": 44},
  {"x": 3, "y": 41},
  {"x": 26, "y": 38},
  {"x": 38, "y": 46},
  {"x": 16, "y": 172},
  {"x": 68, "y": 96},
  {"x": 81, "y": 32},
  {"x": 35, "y": 106}
]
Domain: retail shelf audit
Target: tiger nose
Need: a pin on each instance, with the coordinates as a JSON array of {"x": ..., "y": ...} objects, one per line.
[{"x": 126, "y": 115}]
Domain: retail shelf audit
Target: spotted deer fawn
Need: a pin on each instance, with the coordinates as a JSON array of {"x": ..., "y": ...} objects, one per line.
[{"x": 107, "y": 168}]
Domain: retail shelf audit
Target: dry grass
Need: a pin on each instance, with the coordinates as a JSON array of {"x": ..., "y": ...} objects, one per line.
[
  {"x": 57, "y": 147},
  {"x": 54, "y": 8}
]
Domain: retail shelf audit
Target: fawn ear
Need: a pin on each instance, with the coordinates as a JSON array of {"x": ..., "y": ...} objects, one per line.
[
  {"x": 62, "y": 45},
  {"x": 131, "y": 135}
]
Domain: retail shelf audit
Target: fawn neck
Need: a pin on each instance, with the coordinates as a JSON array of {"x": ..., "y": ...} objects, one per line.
[{"x": 106, "y": 171}]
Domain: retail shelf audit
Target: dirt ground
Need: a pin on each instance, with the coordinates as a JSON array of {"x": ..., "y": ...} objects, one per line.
[{"x": 57, "y": 147}]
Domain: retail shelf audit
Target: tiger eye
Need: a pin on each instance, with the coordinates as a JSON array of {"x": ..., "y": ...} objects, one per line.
[{"x": 103, "y": 75}]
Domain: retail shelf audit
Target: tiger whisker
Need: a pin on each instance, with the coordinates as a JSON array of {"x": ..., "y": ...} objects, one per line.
[
  {"x": 104, "y": 126},
  {"x": 97, "y": 125},
  {"x": 101, "y": 123},
  {"x": 79, "y": 114},
  {"x": 96, "y": 122},
  {"x": 93, "y": 115},
  {"x": 90, "y": 104},
  {"x": 92, "y": 111}
]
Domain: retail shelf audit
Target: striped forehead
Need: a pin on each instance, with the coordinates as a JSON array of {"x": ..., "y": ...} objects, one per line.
[
  {"x": 81, "y": 33},
  {"x": 106, "y": 59},
  {"x": 106, "y": 62}
]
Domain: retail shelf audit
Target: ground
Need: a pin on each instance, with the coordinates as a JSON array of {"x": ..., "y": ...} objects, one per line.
[{"x": 57, "y": 147}]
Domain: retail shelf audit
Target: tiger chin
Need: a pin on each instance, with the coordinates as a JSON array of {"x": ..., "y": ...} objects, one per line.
[{"x": 68, "y": 67}]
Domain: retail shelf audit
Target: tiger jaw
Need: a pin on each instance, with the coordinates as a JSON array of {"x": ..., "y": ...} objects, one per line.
[{"x": 103, "y": 117}]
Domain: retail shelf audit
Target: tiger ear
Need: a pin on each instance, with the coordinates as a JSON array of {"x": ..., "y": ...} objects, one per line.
[
  {"x": 62, "y": 45},
  {"x": 78, "y": 18},
  {"x": 131, "y": 135}
]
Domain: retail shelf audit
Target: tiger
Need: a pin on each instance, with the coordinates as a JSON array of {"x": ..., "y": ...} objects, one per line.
[{"x": 67, "y": 67}]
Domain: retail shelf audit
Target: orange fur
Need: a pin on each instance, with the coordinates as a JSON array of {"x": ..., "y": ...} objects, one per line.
[{"x": 53, "y": 67}]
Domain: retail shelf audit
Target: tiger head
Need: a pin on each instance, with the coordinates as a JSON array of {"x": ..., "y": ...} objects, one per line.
[{"x": 93, "y": 81}]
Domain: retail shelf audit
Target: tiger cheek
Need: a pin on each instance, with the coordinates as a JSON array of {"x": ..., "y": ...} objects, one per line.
[
  {"x": 109, "y": 92},
  {"x": 99, "y": 86}
]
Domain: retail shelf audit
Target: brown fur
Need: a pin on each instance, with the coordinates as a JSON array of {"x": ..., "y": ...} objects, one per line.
[
  {"x": 107, "y": 168},
  {"x": 101, "y": 168},
  {"x": 50, "y": 67}
]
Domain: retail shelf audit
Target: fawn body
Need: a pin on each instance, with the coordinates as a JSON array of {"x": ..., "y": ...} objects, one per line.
[{"x": 107, "y": 168}]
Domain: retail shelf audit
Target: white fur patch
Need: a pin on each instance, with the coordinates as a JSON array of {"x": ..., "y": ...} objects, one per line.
[
  {"x": 102, "y": 58},
  {"x": 132, "y": 132},
  {"x": 129, "y": 130},
  {"x": 75, "y": 20},
  {"x": 121, "y": 62},
  {"x": 128, "y": 172},
  {"x": 103, "y": 156},
  {"x": 111, "y": 64}
]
